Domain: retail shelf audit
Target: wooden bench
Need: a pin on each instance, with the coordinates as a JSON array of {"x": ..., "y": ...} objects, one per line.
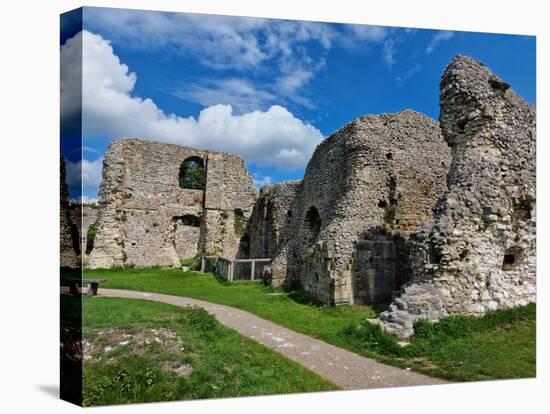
[{"x": 74, "y": 284}]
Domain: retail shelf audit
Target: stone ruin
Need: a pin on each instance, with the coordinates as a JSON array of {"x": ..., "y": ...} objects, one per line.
[
  {"x": 436, "y": 217},
  {"x": 69, "y": 246},
  {"x": 340, "y": 234},
  {"x": 162, "y": 202},
  {"x": 479, "y": 252},
  {"x": 75, "y": 222}
]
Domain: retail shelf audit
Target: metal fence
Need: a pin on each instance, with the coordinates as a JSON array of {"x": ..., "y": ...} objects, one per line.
[{"x": 234, "y": 270}]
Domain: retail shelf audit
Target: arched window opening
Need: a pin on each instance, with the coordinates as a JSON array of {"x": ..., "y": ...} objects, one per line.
[
  {"x": 192, "y": 174},
  {"x": 313, "y": 224}
]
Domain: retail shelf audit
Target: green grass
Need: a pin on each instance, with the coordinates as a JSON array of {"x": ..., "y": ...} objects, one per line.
[
  {"x": 499, "y": 345},
  {"x": 290, "y": 310},
  {"x": 225, "y": 364}
]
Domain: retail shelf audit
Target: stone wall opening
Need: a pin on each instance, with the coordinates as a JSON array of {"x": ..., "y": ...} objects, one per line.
[
  {"x": 239, "y": 222},
  {"x": 312, "y": 225},
  {"x": 511, "y": 258},
  {"x": 90, "y": 238},
  {"x": 381, "y": 265},
  {"x": 186, "y": 235},
  {"x": 192, "y": 174},
  {"x": 190, "y": 220}
]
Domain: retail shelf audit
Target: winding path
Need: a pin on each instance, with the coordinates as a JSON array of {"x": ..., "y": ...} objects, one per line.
[{"x": 341, "y": 367}]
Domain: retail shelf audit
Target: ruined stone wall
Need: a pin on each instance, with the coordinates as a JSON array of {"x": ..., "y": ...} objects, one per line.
[
  {"x": 69, "y": 248},
  {"x": 144, "y": 215},
  {"x": 478, "y": 254},
  {"x": 83, "y": 216},
  {"x": 379, "y": 171},
  {"x": 269, "y": 226}
]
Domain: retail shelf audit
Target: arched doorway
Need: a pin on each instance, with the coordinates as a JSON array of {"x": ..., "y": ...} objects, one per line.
[{"x": 312, "y": 225}]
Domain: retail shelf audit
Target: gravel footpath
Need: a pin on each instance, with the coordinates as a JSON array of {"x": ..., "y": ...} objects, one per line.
[{"x": 341, "y": 367}]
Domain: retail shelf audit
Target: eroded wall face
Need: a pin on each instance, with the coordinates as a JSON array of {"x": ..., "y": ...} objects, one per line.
[
  {"x": 186, "y": 239},
  {"x": 83, "y": 217},
  {"x": 143, "y": 207},
  {"x": 69, "y": 247},
  {"x": 479, "y": 252},
  {"x": 382, "y": 172},
  {"x": 272, "y": 218}
]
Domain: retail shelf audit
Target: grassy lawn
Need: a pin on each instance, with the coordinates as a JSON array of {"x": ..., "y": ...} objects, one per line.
[
  {"x": 143, "y": 351},
  {"x": 499, "y": 345}
]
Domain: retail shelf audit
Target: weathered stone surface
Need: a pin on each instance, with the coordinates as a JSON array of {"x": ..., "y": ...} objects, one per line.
[
  {"x": 366, "y": 188},
  {"x": 446, "y": 211},
  {"x": 478, "y": 254},
  {"x": 83, "y": 216},
  {"x": 147, "y": 219},
  {"x": 271, "y": 221},
  {"x": 69, "y": 248}
]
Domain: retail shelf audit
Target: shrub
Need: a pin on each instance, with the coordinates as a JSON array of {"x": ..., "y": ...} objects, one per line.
[
  {"x": 372, "y": 337},
  {"x": 239, "y": 222},
  {"x": 194, "y": 263},
  {"x": 187, "y": 262},
  {"x": 90, "y": 238}
]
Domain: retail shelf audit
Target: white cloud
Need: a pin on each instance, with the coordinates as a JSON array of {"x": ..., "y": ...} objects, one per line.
[
  {"x": 84, "y": 172},
  {"x": 240, "y": 93},
  {"x": 389, "y": 52},
  {"x": 271, "y": 137},
  {"x": 277, "y": 48},
  {"x": 85, "y": 200},
  {"x": 71, "y": 75},
  {"x": 408, "y": 73},
  {"x": 437, "y": 39},
  {"x": 368, "y": 33},
  {"x": 219, "y": 41},
  {"x": 261, "y": 180}
]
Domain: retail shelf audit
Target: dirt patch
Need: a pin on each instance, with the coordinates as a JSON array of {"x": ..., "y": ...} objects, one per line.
[
  {"x": 109, "y": 344},
  {"x": 182, "y": 370}
]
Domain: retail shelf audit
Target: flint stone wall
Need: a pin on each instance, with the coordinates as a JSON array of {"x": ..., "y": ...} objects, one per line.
[
  {"x": 83, "y": 217},
  {"x": 69, "y": 248},
  {"x": 478, "y": 254},
  {"x": 270, "y": 224},
  {"x": 143, "y": 210},
  {"x": 378, "y": 172}
]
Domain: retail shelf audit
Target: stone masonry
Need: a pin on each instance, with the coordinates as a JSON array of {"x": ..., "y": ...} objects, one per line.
[
  {"x": 83, "y": 217},
  {"x": 438, "y": 217},
  {"x": 478, "y": 254},
  {"x": 271, "y": 221},
  {"x": 69, "y": 247},
  {"x": 365, "y": 189},
  {"x": 147, "y": 219}
]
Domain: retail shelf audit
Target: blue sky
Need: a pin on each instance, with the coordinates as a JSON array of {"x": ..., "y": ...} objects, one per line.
[{"x": 269, "y": 90}]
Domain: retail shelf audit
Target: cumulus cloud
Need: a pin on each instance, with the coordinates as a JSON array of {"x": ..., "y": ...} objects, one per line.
[
  {"x": 84, "y": 173},
  {"x": 261, "y": 180},
  {"x": 272, "y": 137},
  {"x": 437, "y": 39}
]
